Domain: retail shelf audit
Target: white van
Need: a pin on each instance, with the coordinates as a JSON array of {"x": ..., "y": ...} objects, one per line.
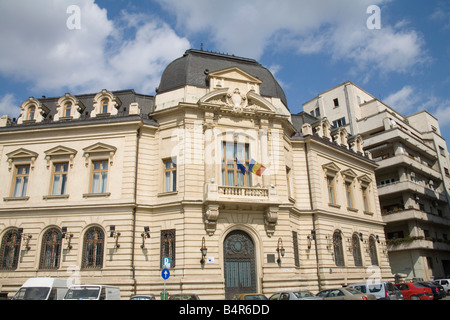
[
  {"x": 92, "y": 292},
  {"x": 43, "y": 289}
]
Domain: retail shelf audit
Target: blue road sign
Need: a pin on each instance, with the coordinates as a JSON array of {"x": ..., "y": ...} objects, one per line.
[
  {"x": 166, "y": 263},
  {"x": 165, "y": 274}
]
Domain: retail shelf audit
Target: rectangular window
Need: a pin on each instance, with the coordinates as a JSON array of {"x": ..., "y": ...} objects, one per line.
[
  {"x": 288, "y": 181},
  {"x": 339, "y": 122},
  {"x": 317, "y": 112},
  {"x": 59, "y": 178},
  {"x": 295, "y": 243},
  {"x": 365, "y": 199},
  {"x": 336, "y": 102},
  {"x": 21, "y": 175},
  {"x": 170, "y": 176},
  {"x": 331, "y": 195},
  {"x": 349, "y": 193},
  {"x": 231, "y": 174},
  {"x": 99, "y": 176},
  {"x": 442, "y": 151}
]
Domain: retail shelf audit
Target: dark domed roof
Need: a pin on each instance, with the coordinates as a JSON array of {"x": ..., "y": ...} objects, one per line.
[{"x": 189, "y": 70}]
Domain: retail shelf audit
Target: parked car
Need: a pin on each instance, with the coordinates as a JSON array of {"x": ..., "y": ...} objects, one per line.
[
  {"x": 249, "y": 296},
  {"x": 381, "y": 290},
  {"x": 143, "y": 297},
  {"x": 445, "y": 283},
  {"x": 438, "y": 290},
  {"x": 345, "y": 294},
  {"x": 294, "y": 295},
  {"x": 184, "y": 296},
  {"x": 414, "y": 291}
]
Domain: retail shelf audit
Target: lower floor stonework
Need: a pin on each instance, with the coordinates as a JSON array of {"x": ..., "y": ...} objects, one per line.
[{"x": 125, "y": 246}]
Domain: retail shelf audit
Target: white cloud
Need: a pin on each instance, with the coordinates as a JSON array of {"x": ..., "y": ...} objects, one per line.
[
  {"x": 403, "y": 101},
  {"x": 335, "y": 28},
  {"x": 409, "y": 100},
  {"x": 38, "y": 47},
  {"x": 442, "y": 113},
  {"x": 7, "y": 104}
]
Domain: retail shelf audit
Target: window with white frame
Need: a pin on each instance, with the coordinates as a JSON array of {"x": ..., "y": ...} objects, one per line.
[{"x": 170, "y": 175}]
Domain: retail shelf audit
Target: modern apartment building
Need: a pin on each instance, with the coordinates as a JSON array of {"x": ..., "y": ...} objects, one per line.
[
  {"x": 413, "y": 177},
  {"x": 104, "y": 187}
]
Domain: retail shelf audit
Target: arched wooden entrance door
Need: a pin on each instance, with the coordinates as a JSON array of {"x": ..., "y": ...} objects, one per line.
[{"x": 240, "y": 267}]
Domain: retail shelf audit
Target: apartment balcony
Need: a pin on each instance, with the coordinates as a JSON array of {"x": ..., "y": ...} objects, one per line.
[
  {"x": 232, "y": 198},
  {"x": 409, "y": 186},
  {"x": 404, "y": 160},
  {"x": 414, "y": 214},
  {"x": 417, "y": 244},
  {"x": 395, "y": 134}
]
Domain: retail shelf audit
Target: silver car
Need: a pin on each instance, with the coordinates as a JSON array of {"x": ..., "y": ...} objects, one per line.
[
  {"x": 294, "y": 295},
  {"x": 345, "y": 294}
]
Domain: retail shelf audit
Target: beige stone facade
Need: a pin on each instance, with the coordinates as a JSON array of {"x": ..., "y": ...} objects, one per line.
[{"x": 163, "y": 172}]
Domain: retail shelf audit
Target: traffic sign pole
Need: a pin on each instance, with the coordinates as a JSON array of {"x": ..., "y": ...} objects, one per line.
[{"x": 165, "y": 275}]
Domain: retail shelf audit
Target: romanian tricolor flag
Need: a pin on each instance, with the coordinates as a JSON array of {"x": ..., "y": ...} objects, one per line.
[{"x": 256, "y": 168}]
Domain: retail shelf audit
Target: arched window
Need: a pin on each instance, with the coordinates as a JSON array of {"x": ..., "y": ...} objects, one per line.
[
  {"x": 356, "y": 250},
  {"x": 104, "y": 106},
  {"x": 338, "y": 248},
  {"x": 373, "y": 251},
  {"x": 10, "y": 250},
  {"x": 93, "y": 247},
  {"x": 168, "y": 246},
  {"x": 67, "y": 109},
  {"x": 31, "y": 112},
  {"x": 51, "y": 249}
]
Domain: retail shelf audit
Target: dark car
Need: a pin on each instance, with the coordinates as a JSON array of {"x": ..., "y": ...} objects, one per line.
[{"x": 438, "y": 290}]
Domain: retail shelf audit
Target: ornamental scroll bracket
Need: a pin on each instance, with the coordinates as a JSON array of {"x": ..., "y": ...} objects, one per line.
[
  {"x": 210, "y": 218},
  {"x": 271, "y": 220}
]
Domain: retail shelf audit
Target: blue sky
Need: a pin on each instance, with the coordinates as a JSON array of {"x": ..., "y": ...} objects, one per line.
[{"x": 310, "y": 46}]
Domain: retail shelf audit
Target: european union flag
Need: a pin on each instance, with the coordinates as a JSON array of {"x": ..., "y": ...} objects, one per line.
[{"x": 241, "y": 167}]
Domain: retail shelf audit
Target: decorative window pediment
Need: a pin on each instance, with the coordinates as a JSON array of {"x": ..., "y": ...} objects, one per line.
[
  {"x": 331, "y": 169},
  {"x": 99, "y": 150},
  {"x": 32, "y": 111},
  {"x": 105, "y": 104},
  {"x": 228, "y": 78},
  {"x": 69, "y": 107},
  {"x": 21, "y": 155},
  {"x": 349, "y": 175},
  {"x": 60, "y": 153},
  {"x": 364, "y": 180}
]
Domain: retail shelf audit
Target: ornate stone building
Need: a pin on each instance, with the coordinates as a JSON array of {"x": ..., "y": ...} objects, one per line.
[{"x": 100, "y": 187}]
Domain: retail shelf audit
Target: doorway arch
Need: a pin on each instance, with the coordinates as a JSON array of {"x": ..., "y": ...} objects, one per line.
[{"x": 239, "y": 264}]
